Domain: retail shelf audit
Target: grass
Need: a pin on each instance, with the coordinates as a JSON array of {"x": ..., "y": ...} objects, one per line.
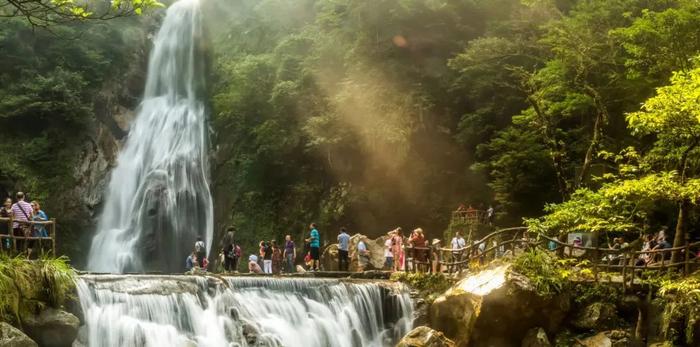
[{"x": 29, "y": 284}]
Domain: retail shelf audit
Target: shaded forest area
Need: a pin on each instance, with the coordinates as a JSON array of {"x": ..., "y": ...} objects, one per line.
[{"x": 375, "y": 114}]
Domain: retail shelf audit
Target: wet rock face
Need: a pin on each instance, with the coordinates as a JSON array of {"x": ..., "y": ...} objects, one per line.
[
  {"x": 425, "y": 337},
  {"x": 536, "y": 337},
  {"x": 613, "y": 338},
  {"x": 13, "y": 337},
  {"x": 596, "y": 316},
  {"x": 52, "y": 328},
  {"x": 329, "y": 258},
  {"x": 495, "y": 307}
]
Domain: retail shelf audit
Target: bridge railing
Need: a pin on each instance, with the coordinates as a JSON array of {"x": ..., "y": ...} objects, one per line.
[
  {"x": 626, "y": 261},
  {"x": 15, "y": 244}
]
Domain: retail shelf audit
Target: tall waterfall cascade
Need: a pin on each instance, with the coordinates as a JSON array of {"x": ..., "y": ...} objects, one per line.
[
  {"x": 158, "y": 200},
  {"x": 213, "y": 311}
]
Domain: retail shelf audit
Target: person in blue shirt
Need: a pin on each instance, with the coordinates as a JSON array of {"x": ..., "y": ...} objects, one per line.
[
  {"x": 315, "y": 245},
  {"x": 343, "y": 248}
]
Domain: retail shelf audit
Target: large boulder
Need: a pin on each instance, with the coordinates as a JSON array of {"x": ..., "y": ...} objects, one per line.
[
  {"x": 495, "y": 307},
  {"x": 425, "y": 337},
  {"x": 52, "y": 328},
  {"x": 329, "y": 258},
  {"x": 613, "y": 338},
  {"x": 596, "y": 316},
  {"x": 13, "y": 337},
  {"x": 536, "y": 337}
]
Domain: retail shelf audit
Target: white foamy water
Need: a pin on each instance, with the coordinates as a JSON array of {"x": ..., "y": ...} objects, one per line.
[
  {"x": 195, "y": 311},
  {"x": 158, "y": 200}
]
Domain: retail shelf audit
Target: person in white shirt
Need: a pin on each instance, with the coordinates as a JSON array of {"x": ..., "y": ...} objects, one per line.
[
  {"x": 458, "y": 244},
  {"x": 388, "y": 255}
]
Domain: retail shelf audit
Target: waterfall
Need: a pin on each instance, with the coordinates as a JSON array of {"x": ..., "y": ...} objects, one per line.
[
  {"x": 158, "y": 200},
  {"x": 208, "y": 311}
]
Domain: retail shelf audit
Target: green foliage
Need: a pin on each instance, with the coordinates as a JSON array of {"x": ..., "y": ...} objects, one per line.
[
  {"x": 590, "y": 292},
  {"x": 682, "y": 304},
  {"x": 24, "y": 284},
  {"x": 47, "y": 13},
  {"x": 547, "y": 274},
  {"x": 429, "y": 285}
]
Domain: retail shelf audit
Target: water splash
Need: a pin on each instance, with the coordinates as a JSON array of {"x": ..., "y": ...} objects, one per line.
[
  {"x": 195, "y": 311},
  {"x": 158, "y": 200}
]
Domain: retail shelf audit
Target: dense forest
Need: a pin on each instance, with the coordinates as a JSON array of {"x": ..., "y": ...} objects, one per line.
[{"x": 384, "y": 113}]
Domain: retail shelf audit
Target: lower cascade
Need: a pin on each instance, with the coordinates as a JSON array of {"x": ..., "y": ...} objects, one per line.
[{"x": 148, "y": 310}]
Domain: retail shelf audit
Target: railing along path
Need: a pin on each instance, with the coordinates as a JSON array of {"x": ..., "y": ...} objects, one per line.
[
  {"x": 15, "y": 244},
  {"x": 497, "y": 244}
]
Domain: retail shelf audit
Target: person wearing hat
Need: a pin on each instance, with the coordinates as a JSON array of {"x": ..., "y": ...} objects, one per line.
[
  {"x": 436, "y": 245},
  {"x": 253, "y": 266}
]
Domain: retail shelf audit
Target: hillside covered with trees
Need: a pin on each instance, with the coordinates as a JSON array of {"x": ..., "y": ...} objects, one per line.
[{"x": 383, "y": 113}]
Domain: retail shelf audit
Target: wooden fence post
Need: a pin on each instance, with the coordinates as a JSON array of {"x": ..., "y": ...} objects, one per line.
[{"x": 52, "y": 229}]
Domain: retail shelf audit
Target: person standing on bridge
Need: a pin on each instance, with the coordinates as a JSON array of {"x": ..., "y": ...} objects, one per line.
[
  {"x": 22, "y": 212},
  {"x": 5, "y": 228},
  {"x": 315, "y": 246},
  {"x": 343, "y": 249}
]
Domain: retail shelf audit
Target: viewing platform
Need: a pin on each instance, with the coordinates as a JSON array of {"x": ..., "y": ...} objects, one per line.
[{"x": 17, "y": 244}]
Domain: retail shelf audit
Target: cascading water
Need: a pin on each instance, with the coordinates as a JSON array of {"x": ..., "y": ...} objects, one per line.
[
  {"x": 196, "y": 311},
  {"x": 158, "y": 199}
]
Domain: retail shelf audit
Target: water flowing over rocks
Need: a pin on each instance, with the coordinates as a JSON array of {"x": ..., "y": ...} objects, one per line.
[
  {"x": 495, "y": 307},
  {"x": 423, "y": 336},
  {"x": 163, "y": 310},
  {"x": 13, "y": 337},
  {"x": 158, "y": 199}
]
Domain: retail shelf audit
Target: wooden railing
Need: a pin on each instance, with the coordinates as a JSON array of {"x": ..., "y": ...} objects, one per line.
[
  {"x": 19, "y": 243},
  {"x": 501, "y": 242},
  {"x": 470, "y": 216}
]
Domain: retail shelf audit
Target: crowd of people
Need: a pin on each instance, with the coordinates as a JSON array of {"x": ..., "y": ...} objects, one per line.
[{"x": 22, "y": 220}]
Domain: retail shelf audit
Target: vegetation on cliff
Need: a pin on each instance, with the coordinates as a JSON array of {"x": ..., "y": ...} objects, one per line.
[{"x": 26, "y": 286}]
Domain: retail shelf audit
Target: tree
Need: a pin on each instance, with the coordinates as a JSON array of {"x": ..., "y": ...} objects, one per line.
[
  {"x": 672, "y": 117},
  {"x": 44, "y": 13}
]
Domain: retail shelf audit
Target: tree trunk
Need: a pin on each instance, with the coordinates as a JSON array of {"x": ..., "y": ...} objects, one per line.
[
  {"x": 600, "y": 119},
  {"x": 679, "y": 238}
]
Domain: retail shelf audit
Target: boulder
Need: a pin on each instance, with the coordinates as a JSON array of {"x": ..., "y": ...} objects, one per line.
[
  {"x": 495, "y": 307},
  {"x": 423, "y": 336},
  {"x": 536, "y": 337},
  {"x": 329, "y": 258},
  {"x": 599, "y": 340},
  {"x": 596, "y": 316},
  {"x": 52, "y": 328},
  {"x": 613, "y": 338},
  {"x": 13, "y": 337}
]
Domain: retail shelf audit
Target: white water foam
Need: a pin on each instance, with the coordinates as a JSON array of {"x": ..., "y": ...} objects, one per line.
[
  {"x": 183, "y": 311},
  {"x": 158, "y": 200}
]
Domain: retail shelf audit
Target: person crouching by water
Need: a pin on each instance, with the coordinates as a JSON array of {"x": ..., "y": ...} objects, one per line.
[
  {"x": 363, "y": 255},
  {"x": 191, "y": 260},
  {"x": 343, "y": 248},
  {"x": 253, "y": 266}
]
